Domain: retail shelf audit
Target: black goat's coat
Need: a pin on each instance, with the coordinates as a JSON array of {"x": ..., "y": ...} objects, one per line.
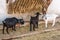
[
  {"x": 10, "y": 23},
  {"x": 34, "y": 22}
]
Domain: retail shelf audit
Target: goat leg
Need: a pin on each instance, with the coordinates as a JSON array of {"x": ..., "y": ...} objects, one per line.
[
  {"x": 30, "y": 27},
  {"x": 7, "y": 30},
  {"x": 34, "y": 27},
  {"x": 3, "y": 28},
  {"x": 14, "y": 28},
  {"x": 37, "y": 25}
]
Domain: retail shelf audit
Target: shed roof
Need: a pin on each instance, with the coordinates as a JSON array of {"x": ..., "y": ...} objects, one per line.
[{"x": 22, "y": 6}]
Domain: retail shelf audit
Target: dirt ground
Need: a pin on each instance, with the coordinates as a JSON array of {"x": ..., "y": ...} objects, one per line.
[{"x": 53, "y": 35}]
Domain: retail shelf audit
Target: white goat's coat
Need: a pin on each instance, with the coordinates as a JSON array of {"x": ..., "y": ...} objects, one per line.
[
  {"x": 50, "y": 17},
  {"x": 53, "y": 9}
]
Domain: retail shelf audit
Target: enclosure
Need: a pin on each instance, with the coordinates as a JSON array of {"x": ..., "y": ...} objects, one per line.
[{"x": 24, "y": 9}]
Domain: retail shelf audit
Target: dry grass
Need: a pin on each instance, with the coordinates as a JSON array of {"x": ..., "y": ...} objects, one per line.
[
  {"x": 25, "y": 29},
  {"x": 53, "y": 35}
]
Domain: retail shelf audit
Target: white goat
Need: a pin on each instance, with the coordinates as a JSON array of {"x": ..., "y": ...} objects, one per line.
[{"x": 50, "y": 17}]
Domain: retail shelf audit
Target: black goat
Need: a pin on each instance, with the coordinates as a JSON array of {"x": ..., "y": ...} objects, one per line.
[
  {"x": 10, "y": 23},
  {"x": 34, "y": 22}
]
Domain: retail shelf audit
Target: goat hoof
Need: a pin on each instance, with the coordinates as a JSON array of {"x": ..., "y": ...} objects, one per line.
[
  {"x": 14, "y": 30},
  {"x": 3, "y": 33},
  {"x": 53, "y": 25},
  {"x": 30, "y": 30},
  {"x": 46, "y": 27},
  {"x": 36, "y": 27},
  {"x": 34, "y": 30},
  {"x": 7, "y": 33}
]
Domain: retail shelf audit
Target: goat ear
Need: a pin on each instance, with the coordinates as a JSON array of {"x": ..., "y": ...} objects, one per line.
[{"x": 7, "y": 1}]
